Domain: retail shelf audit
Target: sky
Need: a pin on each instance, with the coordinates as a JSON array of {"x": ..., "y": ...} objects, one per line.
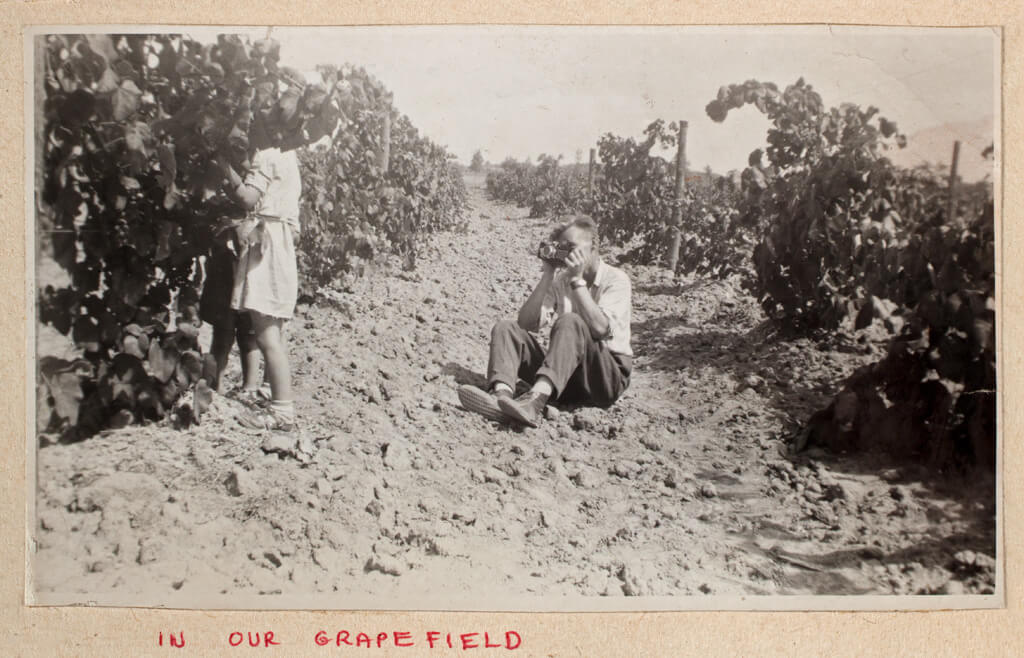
[{"x": 522, "y": 91}]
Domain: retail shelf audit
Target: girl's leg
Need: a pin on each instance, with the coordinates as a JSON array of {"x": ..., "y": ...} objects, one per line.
[
  {"x": 269, "y": 339},
  {"x": 220, "y": 346},
  {"x": 249, "y": 352}
]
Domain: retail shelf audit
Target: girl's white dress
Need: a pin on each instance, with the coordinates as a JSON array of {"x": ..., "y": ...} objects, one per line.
[{"x": 266, "y": 276}]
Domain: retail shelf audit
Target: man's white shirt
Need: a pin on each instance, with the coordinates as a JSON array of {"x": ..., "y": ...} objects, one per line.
[{"x": 611, "y": 291}]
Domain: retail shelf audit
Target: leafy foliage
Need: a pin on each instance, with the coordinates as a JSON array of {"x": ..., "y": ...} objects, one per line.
[
  {"x": 636, "y": 198},
  {"x": 354, "y": 211},
  {"x": 842, "y": 229},
  {"x": 825, "y": 198},
  {"x": 513, "y": 182},
  {"x": 715, "y": 240},
  {"x": 548, "y": 188},
  {"x": 560, "y": 190},
  {"x": 132, "y": 200},
  {"x": 131, "y": 125},
  {"x": 849, "y": 236},
  {"x": 933, "y": 395}
]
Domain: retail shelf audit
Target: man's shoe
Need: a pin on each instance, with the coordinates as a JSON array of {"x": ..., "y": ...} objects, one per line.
[
  {"x": 482, "y": 402},
  {"x": 525, "y": 409}
]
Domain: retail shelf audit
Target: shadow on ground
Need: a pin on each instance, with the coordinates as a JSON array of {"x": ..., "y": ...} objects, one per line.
[{"x": 672, "y": 343}]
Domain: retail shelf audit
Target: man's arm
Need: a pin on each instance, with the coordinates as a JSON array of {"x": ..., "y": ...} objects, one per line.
[
  {"x": 616, "y": 300},
  {"x": 529, "y": 313},
  {"x": 591, "y": 313},
  {"x": 583, "y": 303}
]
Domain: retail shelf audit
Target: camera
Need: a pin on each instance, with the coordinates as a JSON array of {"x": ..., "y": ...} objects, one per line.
[{"x": 553, "y": 252}]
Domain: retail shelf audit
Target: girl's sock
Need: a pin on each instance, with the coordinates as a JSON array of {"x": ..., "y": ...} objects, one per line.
[{"x": 284, "y": 409}]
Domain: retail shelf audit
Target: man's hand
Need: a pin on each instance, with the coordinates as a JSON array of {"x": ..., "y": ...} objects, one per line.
[{"x": 574, "y": 263}]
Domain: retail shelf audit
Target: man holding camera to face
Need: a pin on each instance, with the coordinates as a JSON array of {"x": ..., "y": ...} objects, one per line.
[{"x": 589, "y": 358}]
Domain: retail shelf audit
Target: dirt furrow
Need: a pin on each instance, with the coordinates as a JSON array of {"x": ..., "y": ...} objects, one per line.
[{"x": 393, "y": 491}]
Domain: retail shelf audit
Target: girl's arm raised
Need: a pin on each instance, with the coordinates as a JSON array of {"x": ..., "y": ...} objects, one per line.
[{"x": 247, "y": 195}]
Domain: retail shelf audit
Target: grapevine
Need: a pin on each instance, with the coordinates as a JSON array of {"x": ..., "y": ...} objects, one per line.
[
  {"x": 547, "y": 188},
  {"x": 131, "y": 201},
  {"x": 848, "y": 236},
  {"x": 633, "y": 200},
  {"x": 823, "y": 196},
  {"x": 933, "y": 395},
  {"x": 353, "y": 210}
]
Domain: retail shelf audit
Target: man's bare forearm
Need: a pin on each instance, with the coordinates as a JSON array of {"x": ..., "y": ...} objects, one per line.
[
  {"x": 591, "y": 313},
  {"x": 529, "y": 314}
]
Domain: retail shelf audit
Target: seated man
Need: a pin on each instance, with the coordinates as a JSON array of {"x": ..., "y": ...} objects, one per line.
[{"x": 588, "y": 360}]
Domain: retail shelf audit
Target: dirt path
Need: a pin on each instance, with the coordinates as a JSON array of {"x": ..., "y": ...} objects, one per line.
[{"x": 395, "y": 492}]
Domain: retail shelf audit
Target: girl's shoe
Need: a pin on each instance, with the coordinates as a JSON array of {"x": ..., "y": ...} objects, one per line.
[
  {"x": 251, "y": 396},
  {"x": 265, "y": 419}
]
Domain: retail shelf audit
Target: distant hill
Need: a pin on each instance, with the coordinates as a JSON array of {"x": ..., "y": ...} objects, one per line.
[{"x": 935, "y": 145}]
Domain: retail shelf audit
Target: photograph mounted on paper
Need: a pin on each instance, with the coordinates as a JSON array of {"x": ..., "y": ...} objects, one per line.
[{"x": 514, "y": 318}]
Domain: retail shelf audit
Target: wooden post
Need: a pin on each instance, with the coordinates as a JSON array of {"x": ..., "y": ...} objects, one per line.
[
  {"x": 677, "y": 213},
  {"x": 385, "y": 138},
  {"x": 951, "y": 208},
  {"x": 590, "y": 176}
]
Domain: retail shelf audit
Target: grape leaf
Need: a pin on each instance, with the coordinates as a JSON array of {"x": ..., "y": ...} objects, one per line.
[
  {"x": 203, "y": 397},
  {"x": 133, "y": 347},
  {"x": 209, "y": 372},
  {"x": 168, "y": 166},
  {"x": 162, "y": 361},
  {"x": 123, "y": 418},
  {"x": 136, "y": 135},
  {"x": 108, "y": 82},
  {"x": 77, "y": 107},
  {"x": 165, "y": 229},
  {"x": 63, "y": 381},
  {"x": 125, "y": 100},
  {"x": 269, "y": 48},
  {"x": 125, "y": 378},
  {"x": 193, "y": 365}
]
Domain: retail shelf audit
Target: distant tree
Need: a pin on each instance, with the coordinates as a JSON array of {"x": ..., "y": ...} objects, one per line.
[
  {"x": 477, "y": 164},
  {"x": 709, "y": 177}
]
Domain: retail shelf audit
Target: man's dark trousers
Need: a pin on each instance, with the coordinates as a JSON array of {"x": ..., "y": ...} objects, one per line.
[{"x": 581, "y": 369}]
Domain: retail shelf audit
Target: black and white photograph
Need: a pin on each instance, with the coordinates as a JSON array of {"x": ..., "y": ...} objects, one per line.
[{"x": 511, "y": 317}]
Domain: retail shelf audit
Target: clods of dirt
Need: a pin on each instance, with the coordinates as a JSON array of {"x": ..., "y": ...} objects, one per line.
[{"x": 392, "y": 490}]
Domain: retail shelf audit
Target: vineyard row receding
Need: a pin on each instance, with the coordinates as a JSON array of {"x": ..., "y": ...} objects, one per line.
[{"x": 830, "y": 236}]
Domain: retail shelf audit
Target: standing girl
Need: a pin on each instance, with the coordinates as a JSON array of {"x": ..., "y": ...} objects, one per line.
[{"x": 266, "y": 276}]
